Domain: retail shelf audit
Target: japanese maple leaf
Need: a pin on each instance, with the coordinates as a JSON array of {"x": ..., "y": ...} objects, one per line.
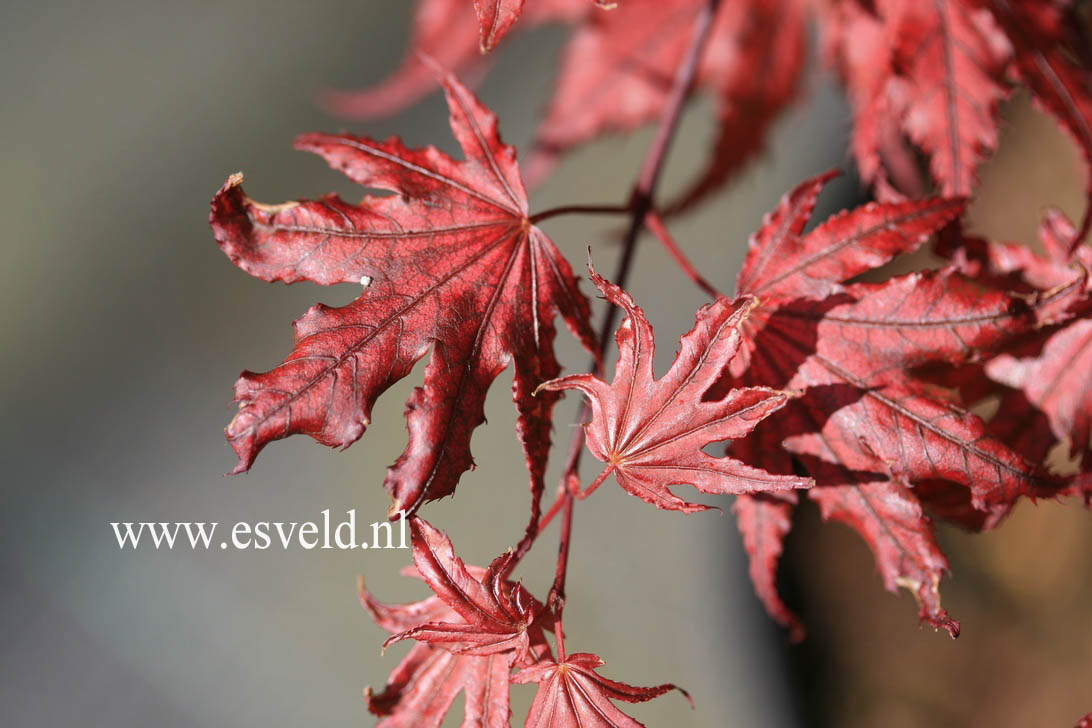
[
  {"x": 455, "y": 33},
  {"x": 1050, "y": 370},
  {"x": 470, "y": 634},
  {"x": 651, "y": 432},
  {"x": 852, "y": 350},
  {"x": 617, "y": 70},
  {"x": 934, "y": 71},
  {"x": 892, "y": 522},
  {"x": 451, "y": 262},
  {"x": 1053, "y": 58},
  {"x": 571, "y": 694},
  {"x": 885, "y": 511},
  {"x": 496, "y": 17}
]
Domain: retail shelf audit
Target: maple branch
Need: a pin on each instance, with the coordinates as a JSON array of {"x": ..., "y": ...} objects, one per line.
[
  {"x": 579, "y": 210},
  {"x": 640, "y": 205},
  {"x": 556, "y": 599},
  {"x": 656, "y": 226}
]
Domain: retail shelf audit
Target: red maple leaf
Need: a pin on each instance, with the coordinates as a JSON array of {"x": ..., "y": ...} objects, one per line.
[
  {"x": 1048, "y": 371},
  {"x": 1053, "y": 57},
  {"x": 454, "y": 33},
  {"x": 617, "y": 69},
  {"x": 651, "y": 432},
  {"x": 470, "y": 634},
  {"x": 616, "y": 73},
  {"x": 572, "y": 695},
  {"x": 496, "y": 17},
  {"x": 763, "y": 521},
  {"x": 886, "y": 513},
  {"x": 852, "y": 350},
  {"x": 451, "y": 262},
  {"x": 934, "y": 71}
]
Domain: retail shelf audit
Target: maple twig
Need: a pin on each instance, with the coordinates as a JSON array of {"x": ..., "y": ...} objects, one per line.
[
  {"x": 554, "y": 510},
  {"x": 579, "y": 210},
  {"x": 640, "y": 205},
  {"x": 656, "y": 226},
  {"x": 556, "y": 598}
]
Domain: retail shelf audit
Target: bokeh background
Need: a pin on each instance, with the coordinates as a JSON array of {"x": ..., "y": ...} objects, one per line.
[{"x": 124, "y": 328}]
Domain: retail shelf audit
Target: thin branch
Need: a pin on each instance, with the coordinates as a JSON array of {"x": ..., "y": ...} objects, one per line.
[
  {"x": 640, "y": 204},
  {"x": 656, "y": 226},
  {"x": 579, "y": 210},
  {"x": 641, "y": 199}
]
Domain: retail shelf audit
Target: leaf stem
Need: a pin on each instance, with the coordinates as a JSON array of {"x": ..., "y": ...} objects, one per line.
[
  {"x": 557, "y": 592},
  {"x": 579, "y": 210},
  {"x": 656, "y": 226}
]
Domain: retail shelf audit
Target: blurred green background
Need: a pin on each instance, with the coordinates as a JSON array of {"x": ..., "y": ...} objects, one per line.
[{"x": 125, "y": 328}]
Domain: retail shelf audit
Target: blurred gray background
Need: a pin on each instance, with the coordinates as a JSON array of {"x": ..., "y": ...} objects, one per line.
[{"x": 125, "y": 328}]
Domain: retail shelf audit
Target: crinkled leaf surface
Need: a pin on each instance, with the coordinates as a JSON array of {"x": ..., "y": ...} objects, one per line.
[
  {"x": 650, "y": 432},
  {"x": 450, "y": 262}
]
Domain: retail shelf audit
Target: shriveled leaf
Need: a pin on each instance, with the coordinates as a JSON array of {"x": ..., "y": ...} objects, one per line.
[
  {"x": 450, "y": 262},
  {"x": 571, "y": 694},
  {"x": 494, "y": 616},
  {"x": 650, "y": 432}
]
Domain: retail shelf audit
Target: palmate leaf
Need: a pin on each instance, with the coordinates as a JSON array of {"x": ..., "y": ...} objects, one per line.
[
  {"x": 934, "y": 71},
  {"x": 454, "y": 33},
  {"x": 1049, "y": 371},
  {"x": 571, "y": 694},
  {"x": 1052, "y": 58},
  {"x": 651, "y": 432},
  {"x": 450, "y": 262},
  {"x": 853, "y": 350},
  {"x": 616, "y": 71},
  {"x": 470, "y": 634}
]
